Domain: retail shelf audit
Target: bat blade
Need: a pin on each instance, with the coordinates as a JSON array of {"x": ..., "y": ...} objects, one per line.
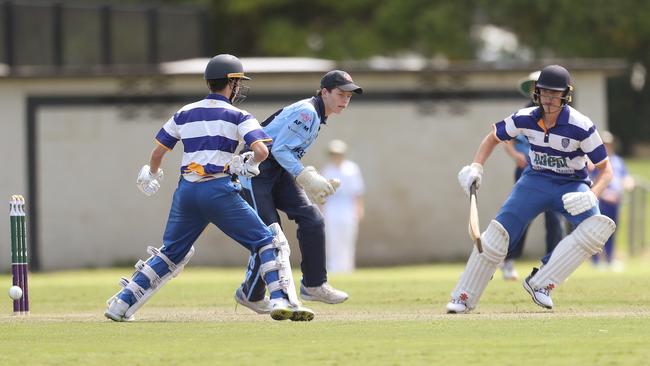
[{"x": 474, "y": 227}]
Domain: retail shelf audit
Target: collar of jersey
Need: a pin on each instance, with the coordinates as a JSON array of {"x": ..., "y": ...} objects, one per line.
[
  {"x": 320, "y": 108},
  {"x": 217, "y": 97},
  {"x": 562, "y": 119}
]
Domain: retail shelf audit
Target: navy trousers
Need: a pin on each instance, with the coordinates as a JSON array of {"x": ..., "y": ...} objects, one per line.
[{"x": 276, "y": 189}]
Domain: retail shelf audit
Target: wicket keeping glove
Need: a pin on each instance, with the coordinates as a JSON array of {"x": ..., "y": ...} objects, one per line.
[
  {"x": 244, "y": 165},
  {"x": 147, "y": 182},
  {"x": 578, "y": 202},
  {"x": 470, "y": 174},
  {"x": 315, "y": 185}
]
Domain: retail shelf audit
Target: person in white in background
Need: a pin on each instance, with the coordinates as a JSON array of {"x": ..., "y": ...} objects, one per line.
[{"x": 343, "y": 210}]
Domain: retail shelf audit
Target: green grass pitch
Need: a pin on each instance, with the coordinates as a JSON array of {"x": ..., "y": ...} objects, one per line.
[{"x": 395, "y": 316}]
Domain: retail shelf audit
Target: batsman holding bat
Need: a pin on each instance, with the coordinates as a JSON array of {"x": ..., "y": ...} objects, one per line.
[{"x": 556, "y": 179}]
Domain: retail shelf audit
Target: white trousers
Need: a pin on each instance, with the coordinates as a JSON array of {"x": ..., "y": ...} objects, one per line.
[{"x": 340, "y": 241}]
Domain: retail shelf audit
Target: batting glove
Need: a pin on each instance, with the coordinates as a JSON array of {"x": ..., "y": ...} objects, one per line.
[
  {"x": 149, "y": 183},
  {"x": 578, "y": 202},
  {"x": 315, "y": 185},
  {"x": 244, "y": 165},
  {"x": 470, "y": 174}
]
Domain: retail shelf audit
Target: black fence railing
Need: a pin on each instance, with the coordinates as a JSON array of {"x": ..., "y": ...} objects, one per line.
[{"x": 77, "y": 35}]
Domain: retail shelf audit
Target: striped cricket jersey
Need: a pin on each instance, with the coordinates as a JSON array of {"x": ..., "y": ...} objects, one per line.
[
  {"x": 210, "y": 130},
  {"x": 562, "y": 150}
]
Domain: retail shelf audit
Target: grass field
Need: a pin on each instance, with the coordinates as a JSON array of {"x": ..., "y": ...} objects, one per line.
[{"x": 395, "y": 316}]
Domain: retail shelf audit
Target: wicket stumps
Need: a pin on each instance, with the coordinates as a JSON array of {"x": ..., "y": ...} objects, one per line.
[{"x": 19, "y": 252}]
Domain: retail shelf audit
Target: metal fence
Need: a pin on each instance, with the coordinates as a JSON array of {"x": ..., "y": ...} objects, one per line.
[{"x": 74, "y": 35}]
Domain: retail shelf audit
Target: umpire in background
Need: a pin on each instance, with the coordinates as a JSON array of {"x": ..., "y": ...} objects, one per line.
[{"x": 285, "y": 184}]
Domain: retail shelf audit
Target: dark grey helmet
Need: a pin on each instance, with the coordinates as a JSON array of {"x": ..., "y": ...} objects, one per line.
[
  {"x": 224, "y": 66},
  {"x": 554, "y": 77}
]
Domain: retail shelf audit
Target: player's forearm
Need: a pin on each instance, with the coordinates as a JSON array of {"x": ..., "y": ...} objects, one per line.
[
  {"x": 605, "y": 174},
  {"x": 156, "y": 158},
  {"x": 485, "y": 149},
  {"x": 260, "y": 150}
]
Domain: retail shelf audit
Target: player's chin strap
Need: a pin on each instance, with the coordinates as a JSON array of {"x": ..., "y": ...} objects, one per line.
[
  {"x": 156, "y": 281},
  {"x": 281, "y": 264}
]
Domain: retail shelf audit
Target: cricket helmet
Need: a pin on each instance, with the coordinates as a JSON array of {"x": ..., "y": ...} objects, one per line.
[
  {"x": 554, "y": 77},
  {"x": 224, "y": 66}
]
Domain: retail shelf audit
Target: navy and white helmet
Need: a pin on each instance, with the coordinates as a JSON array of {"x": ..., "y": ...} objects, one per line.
[{"x": 554, "y": 77}]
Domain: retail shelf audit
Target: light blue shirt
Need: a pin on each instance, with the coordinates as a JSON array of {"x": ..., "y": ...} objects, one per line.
[{"x": 293, "y": 129}]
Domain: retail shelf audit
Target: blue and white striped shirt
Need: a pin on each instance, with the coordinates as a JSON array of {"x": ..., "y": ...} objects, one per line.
[
  {"x": 561, "y": 151},
  {"x": 210, "y": 130}
]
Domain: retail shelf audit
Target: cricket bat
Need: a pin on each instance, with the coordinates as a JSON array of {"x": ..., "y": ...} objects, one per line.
[{"x": 474, "y": 227}]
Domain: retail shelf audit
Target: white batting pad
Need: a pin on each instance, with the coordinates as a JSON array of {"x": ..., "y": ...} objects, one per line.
[
  {"x": 586, "y": 240},
  {"x": 481, "y": 266},
  {"x": 281, "y": 264}
]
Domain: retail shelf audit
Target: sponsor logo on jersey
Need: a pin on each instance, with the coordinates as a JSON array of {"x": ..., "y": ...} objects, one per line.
[
  {"x": 542, "y": 160},
  {"x": 299, "y": 152},
  {"x": 305, "y": 117},
  {"x": 300, "y": 124}
]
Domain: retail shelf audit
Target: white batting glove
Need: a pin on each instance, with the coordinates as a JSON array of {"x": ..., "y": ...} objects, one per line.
[
  {"x": 578, "y": 202},
  {"x": 244, "y": 165},
  {"x": 149, "y": 183},
  {"x": 315, "y": 185},
  {"x": 470, "y": 174}
]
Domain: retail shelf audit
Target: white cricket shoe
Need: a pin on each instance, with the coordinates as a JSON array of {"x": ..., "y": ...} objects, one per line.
[
  {"x": 323, "y": 293},
  {"x": 281, "y": 309},
  {"x": 541, "y": 296},
  {"x": 116, "y": 310},
  {"x": 508, "y": 270},
  {"x": 458, "y": 305},
  {"x": 261, "y": 307}
]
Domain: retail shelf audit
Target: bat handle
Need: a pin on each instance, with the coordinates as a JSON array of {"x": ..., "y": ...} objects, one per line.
[{"x": 472, "y": 189}]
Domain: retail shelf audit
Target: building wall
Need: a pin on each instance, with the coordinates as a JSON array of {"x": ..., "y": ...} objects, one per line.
[{"x": 90, "y": 213}]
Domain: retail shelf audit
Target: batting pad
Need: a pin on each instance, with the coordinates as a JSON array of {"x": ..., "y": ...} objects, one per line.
[
  {"x": 586, "y": 240},
  {"x": 481, "y": 266},
  {"x": 281, "y": 264}
]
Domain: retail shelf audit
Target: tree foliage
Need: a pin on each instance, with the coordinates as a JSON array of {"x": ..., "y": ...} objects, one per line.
[{"x": 343, "y": 30}]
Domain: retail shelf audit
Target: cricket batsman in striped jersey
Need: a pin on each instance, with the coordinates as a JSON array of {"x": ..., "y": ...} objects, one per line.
[{"x": 556, "y": 179}]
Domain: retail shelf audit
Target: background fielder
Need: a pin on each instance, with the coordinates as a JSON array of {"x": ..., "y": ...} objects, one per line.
[
  {"x": 343, "y": 210},
  {"x": 561, "y": 139}
]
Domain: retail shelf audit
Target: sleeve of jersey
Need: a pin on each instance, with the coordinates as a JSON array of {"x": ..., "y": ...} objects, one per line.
[
  {"x": 288, "y": 146},
  {"x": 168, "y": 135},
  {"x": 506, "y": 129},
  {"x": 251, "y": 131},
  {"x": 593, "y": 146}
]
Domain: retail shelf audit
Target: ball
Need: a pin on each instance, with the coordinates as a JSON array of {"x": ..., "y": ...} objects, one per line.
[{"x": 15, "y": 292}]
